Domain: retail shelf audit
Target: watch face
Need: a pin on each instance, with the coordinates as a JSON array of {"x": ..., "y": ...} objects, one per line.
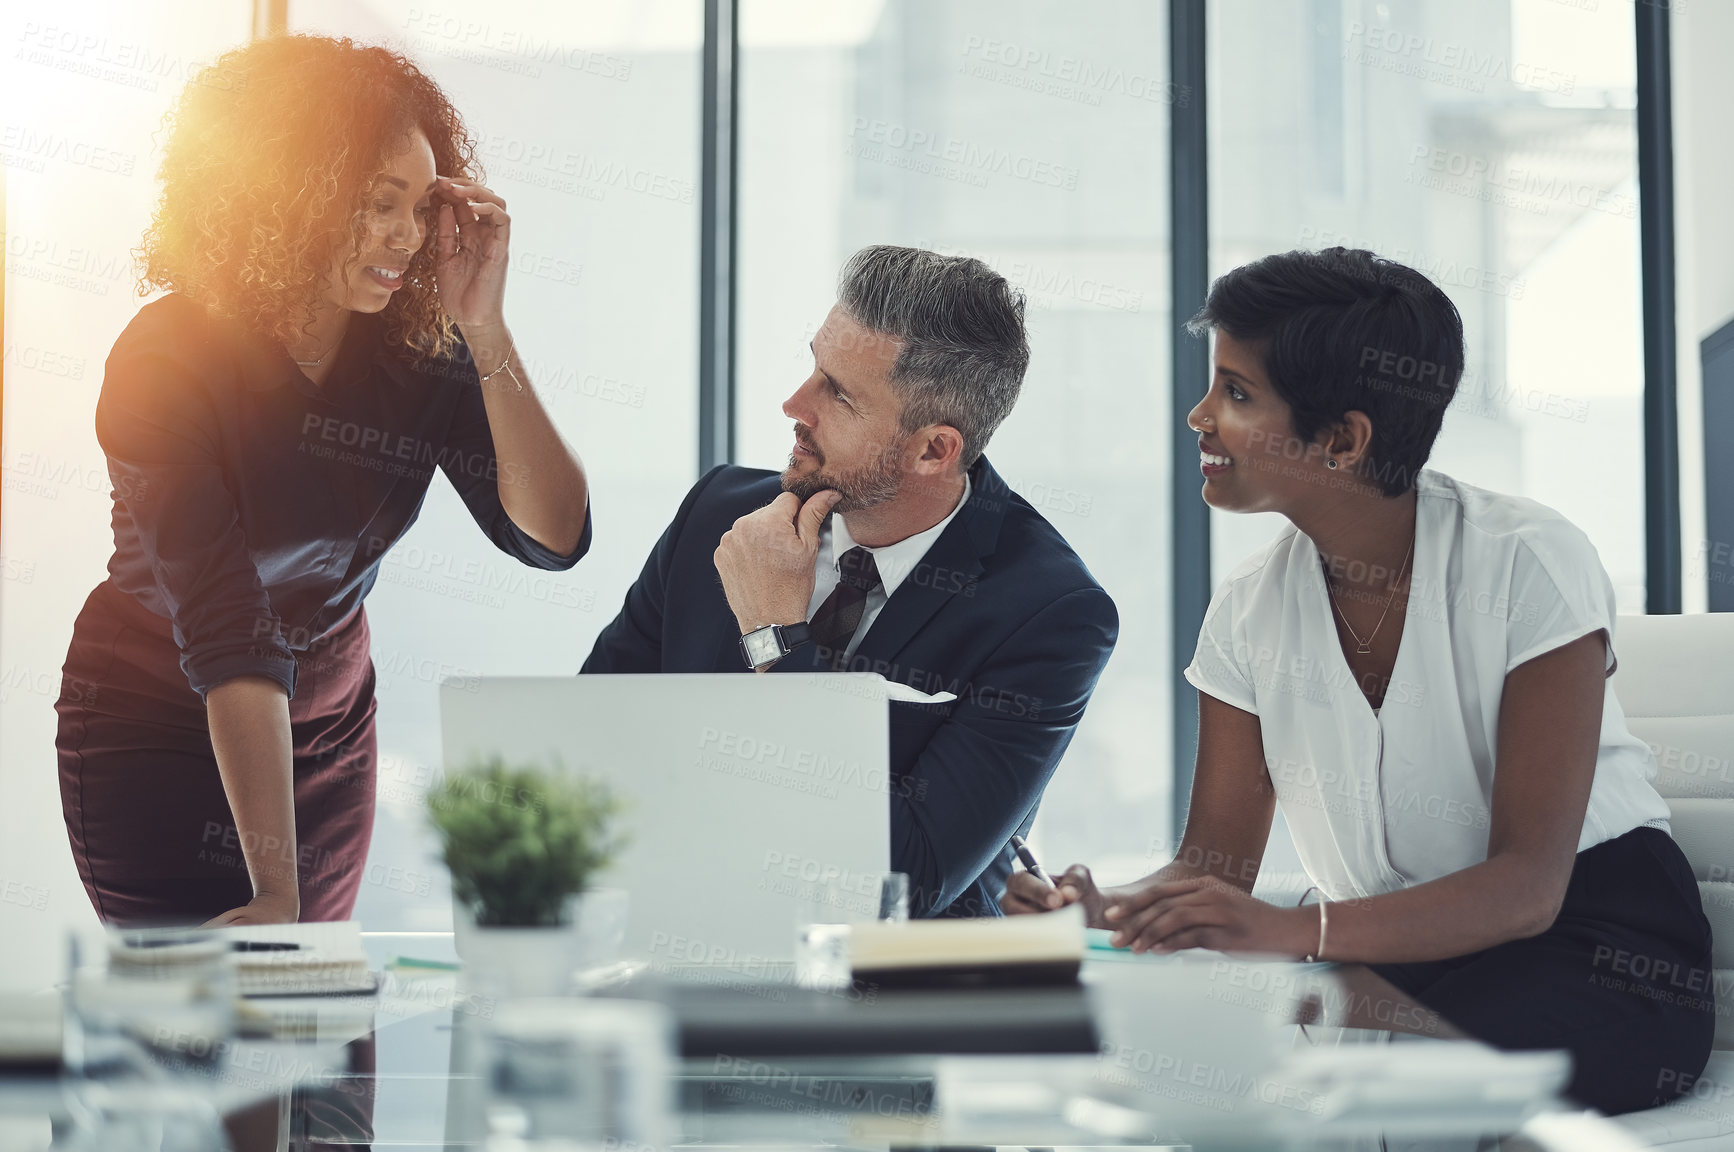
[{"x": 761, "y": 646}]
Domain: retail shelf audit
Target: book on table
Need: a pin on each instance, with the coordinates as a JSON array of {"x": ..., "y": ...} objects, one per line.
[
  {"x": 321, "y": 959},
  {"x": 991, "y": 951}
]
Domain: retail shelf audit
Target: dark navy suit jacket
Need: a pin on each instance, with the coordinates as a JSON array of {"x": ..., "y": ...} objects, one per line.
[{"x": 1000, "y": 612}]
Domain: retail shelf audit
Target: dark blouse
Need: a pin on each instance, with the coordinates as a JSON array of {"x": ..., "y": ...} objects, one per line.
[{"x": 252, "y": 508}]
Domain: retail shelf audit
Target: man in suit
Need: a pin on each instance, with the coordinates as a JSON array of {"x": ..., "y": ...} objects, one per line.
[{"x": 891, "y": 545}]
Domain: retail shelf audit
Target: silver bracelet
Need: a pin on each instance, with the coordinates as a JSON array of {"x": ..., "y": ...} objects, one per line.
[
  {"x": 506, "y": 367},
  {"x": 1324, "y": 923},
  {"x": 1320, "y": 951}
]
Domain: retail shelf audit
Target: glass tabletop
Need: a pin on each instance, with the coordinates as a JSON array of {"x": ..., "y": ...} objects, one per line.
[
  {"x": 1194, "y": 1052},
  {"x": 1231, "y": 1069}
]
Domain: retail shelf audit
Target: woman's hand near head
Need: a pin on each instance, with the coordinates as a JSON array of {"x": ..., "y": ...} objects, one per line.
[{"x": 471, "y": 250}]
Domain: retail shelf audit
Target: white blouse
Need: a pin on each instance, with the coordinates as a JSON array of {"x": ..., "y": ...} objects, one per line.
[{"x": 1380, "y": 801}]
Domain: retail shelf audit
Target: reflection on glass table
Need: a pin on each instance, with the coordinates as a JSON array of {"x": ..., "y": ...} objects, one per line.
[{"x": 1201, "y": 1052}]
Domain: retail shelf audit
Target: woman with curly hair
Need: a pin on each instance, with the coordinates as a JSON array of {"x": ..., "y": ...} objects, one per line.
[{"x": 333, "y": 332}]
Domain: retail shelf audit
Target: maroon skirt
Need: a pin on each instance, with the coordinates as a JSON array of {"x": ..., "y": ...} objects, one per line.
[{"x": 150, "y": 826}]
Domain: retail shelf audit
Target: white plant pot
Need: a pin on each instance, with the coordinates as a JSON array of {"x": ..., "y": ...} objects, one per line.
[{"x": 519, "y": 962}]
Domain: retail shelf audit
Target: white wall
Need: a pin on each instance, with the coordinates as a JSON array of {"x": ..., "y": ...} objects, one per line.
[{"x": 81, "y": 91}]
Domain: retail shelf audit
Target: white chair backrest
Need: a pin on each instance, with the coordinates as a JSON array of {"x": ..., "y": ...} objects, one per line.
[{"x": 1675, "y": 683}]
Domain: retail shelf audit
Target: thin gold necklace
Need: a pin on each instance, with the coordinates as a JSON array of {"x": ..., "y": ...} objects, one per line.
[{"x": 1365, "y": 647}]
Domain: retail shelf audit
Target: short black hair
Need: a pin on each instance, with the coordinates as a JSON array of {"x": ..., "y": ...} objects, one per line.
[{"x": 1345, "y": 330}]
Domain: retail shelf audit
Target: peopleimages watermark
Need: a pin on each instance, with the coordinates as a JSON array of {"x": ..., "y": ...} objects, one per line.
[
  {"x": 1303, "y": 784},
  {"x": 98, "y": 56},
  {"x": 1201, "y": 1082},
  {"x": 795, "y": 875},
  {"x": 451, "y": 34},
  {"x": 47, "y": 361},
  {"x": 20, "y": 142},
  {"x": 472, "y": 580},
  {"x": 723, "y": 966},
  {"x": 562, "y": 169},
  {"x": 52, "y": 684},
  {"x": 47, "y": 261},
  {"x": 397, "y": 453},
  {"x": 12, "y": 568},
  {"x": 1511, "y": 186},
  {"x": 1447, "y": 272},
  {"x": 1448, "y": 62},
  {"x": 772, "y": 762},
  {"x": 1043, "y": 285},
  {"x": 746, "y": 1081},
  {"x": 1656, "y": 978},
  {"x": 1073, "y": 78},
  {"x": 40, "y": 474},
  {"x": 939, "y": 154},
  {"x": 23, "y": 895}
]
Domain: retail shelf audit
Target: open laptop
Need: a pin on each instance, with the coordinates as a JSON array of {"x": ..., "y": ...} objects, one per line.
[{"x": 746, "y": 796}]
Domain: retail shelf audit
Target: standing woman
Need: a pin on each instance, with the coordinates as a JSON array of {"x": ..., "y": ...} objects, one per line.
[
  {"x": 1416, "y": 670},
  {"x": 333, "y": 333}
]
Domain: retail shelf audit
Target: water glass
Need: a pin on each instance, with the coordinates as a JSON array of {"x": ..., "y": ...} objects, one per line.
[
  {"x": 171, "y": 989},
  {"x": 830, "y": 907},
  {"x": 569, "y": 1072}
]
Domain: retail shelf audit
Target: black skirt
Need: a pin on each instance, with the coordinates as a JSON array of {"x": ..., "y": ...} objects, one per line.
[{"x": 1623, "y": 980}]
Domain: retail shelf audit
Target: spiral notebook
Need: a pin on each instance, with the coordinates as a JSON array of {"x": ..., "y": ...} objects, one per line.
[{"x": 301, "y": 959}]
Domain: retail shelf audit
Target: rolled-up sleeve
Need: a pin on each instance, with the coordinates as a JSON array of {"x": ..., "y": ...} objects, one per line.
[
  {"x": 469, "y": 461},
  {"x": 157, "y": 423}
]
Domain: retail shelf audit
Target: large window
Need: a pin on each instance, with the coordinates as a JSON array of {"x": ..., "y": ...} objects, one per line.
[
  {"x": 1033, "y": 137},
  {"x": 587, "y": 120},
  {"x": 1492, "y": 145}
]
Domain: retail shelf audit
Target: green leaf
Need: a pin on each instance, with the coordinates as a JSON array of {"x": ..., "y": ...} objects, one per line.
[{"x": 520, "y": 840}]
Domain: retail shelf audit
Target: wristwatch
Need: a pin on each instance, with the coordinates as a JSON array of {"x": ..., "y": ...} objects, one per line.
[{"x": 763, "y": 647}]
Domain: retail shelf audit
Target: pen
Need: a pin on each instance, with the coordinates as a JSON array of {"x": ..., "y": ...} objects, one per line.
[{"x": 1030, "y": 861}]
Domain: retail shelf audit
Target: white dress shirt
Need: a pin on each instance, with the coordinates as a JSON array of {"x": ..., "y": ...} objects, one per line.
[
  {"x": 894, "y": 561},
  {"x": 1380, "y": 801}
]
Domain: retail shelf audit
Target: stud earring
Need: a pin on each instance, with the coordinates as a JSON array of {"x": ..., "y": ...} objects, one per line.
[{"x": 1331, "y": 463}]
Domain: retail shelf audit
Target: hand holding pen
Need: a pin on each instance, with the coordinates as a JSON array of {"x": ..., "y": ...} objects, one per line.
[
  {"x": 1033, "y": 890},
  {"x": 1029, "y": 860}
]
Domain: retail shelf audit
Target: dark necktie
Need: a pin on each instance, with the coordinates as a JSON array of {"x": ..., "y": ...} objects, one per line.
[{"x": 835, "y": 622}]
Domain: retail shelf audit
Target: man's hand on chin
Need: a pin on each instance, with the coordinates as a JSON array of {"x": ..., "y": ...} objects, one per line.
[{"x": 766, "y": 559}]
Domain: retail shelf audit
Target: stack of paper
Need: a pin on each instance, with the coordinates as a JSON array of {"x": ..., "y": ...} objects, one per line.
[{"x": 300, "y": 959}]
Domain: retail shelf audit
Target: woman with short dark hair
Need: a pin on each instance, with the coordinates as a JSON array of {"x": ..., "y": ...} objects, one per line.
[
  {"x": 333, "y": 334},
  {"x": 1416, "y": 670}
]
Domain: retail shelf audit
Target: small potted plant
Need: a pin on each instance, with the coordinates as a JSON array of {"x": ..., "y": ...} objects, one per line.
[{"x": 522, "y": 845}]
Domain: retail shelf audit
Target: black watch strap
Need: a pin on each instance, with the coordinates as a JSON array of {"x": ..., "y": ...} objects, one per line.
[{"x": 787, "y": 637}]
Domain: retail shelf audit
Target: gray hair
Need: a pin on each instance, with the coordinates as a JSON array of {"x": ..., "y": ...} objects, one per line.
[{"x": 962, "y": 329}]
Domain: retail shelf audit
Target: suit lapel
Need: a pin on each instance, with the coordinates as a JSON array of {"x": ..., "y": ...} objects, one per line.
[{"x": 951, "y": 566}]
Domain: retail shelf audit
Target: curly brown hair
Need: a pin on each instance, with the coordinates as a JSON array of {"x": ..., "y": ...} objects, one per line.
[{"x": 272, "y": 151}]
